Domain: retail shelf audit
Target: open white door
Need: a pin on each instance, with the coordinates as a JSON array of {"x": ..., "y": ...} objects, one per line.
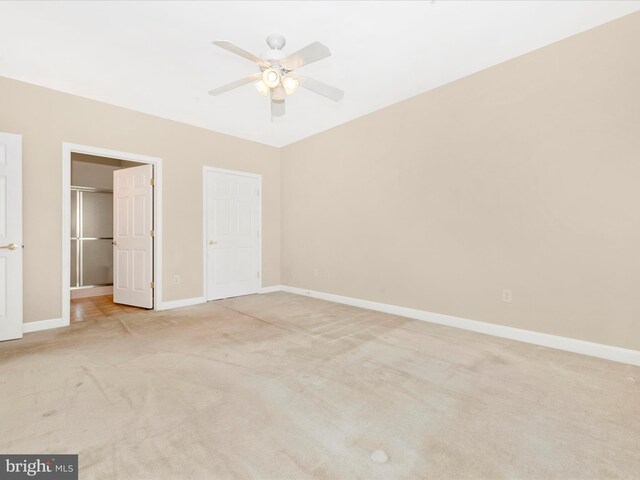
[
  {"x": 133, "y": 236},
  {"x": 10, "y": 236},
  {"x": 233, "y": 235}
]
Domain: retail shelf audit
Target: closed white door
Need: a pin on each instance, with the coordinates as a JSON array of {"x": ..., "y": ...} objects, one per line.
[
  {"x": 233, "y": 235},
  {"x": 133, "y": 236},
  {"x": 10, "y": 236}
]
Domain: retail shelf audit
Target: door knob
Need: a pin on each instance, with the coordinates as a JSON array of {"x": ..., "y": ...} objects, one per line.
[
  {"x": 212, "y": 242},
  {"x": 113, "y": 242},
  {"x": 11, "y": 246}
]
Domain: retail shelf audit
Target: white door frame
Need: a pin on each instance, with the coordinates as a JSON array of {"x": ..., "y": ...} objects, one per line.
[
  {"x": 206, "y": 169},
  {"x": 67, "y": 149}
]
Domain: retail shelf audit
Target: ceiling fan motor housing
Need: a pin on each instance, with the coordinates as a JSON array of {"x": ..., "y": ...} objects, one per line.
[{"x": 276, "y": 43}]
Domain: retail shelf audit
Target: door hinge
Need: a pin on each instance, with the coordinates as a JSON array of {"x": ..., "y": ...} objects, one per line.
[
  {"x": 153, "y": 182},
  {"x": 153, "y": 233},
  {"x": 153, "y": 285}
]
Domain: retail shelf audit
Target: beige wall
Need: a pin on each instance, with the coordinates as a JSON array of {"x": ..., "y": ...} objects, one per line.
[
  {"x": 47, "y": 118},
  {"x": 525, "y": 176}
]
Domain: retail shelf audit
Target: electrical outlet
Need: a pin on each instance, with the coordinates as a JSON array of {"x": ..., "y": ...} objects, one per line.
[
  {"x": 176, "y": 279},
  {"x": 507, "y": 296}
]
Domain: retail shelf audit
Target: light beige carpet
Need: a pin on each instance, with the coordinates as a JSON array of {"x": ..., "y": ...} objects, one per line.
[{"x": 281, "y": 386}]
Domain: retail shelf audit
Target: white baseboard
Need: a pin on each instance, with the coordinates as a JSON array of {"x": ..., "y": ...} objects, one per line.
[
  {"x": 185, "y": 302},
  {"x": 271, "y": 289},
  {"x": 583, "y": 347},
  {"x": 29, "y": 327},
  {"x": 91, "y": 292}
]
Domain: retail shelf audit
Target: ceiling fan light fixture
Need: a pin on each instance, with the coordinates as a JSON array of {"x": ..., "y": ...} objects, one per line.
[
  {"x": 271, "y": 77},
  {"x": 262, "y": 88},
  {"x": 290, "y": 84},
  {"x": 276, "y": 78}
]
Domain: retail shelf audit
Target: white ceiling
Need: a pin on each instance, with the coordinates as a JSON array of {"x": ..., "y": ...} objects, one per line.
[{"x": 157, "y": 57}]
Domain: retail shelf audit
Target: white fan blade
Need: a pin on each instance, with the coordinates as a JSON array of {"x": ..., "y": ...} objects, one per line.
[
  {"x": 309, "y": 54},
  {"x": 243, "y": 53},
  {"x": 277, "y": 108},
  {"x": 320, "y": 88},
  {"x": 237, "y": 83}
]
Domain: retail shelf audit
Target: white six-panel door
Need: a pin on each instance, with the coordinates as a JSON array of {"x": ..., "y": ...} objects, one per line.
[
  {"x": 10, "y": 236},
  {"x": 133, "y": 236},
  {"x": 232, "y": 235}
]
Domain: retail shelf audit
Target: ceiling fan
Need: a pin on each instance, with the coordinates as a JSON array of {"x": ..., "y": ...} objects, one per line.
[{"x": 277, "y": 77}]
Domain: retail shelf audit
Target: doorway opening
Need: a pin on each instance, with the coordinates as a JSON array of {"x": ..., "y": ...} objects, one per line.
[{"x": 111, "y": 233}]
